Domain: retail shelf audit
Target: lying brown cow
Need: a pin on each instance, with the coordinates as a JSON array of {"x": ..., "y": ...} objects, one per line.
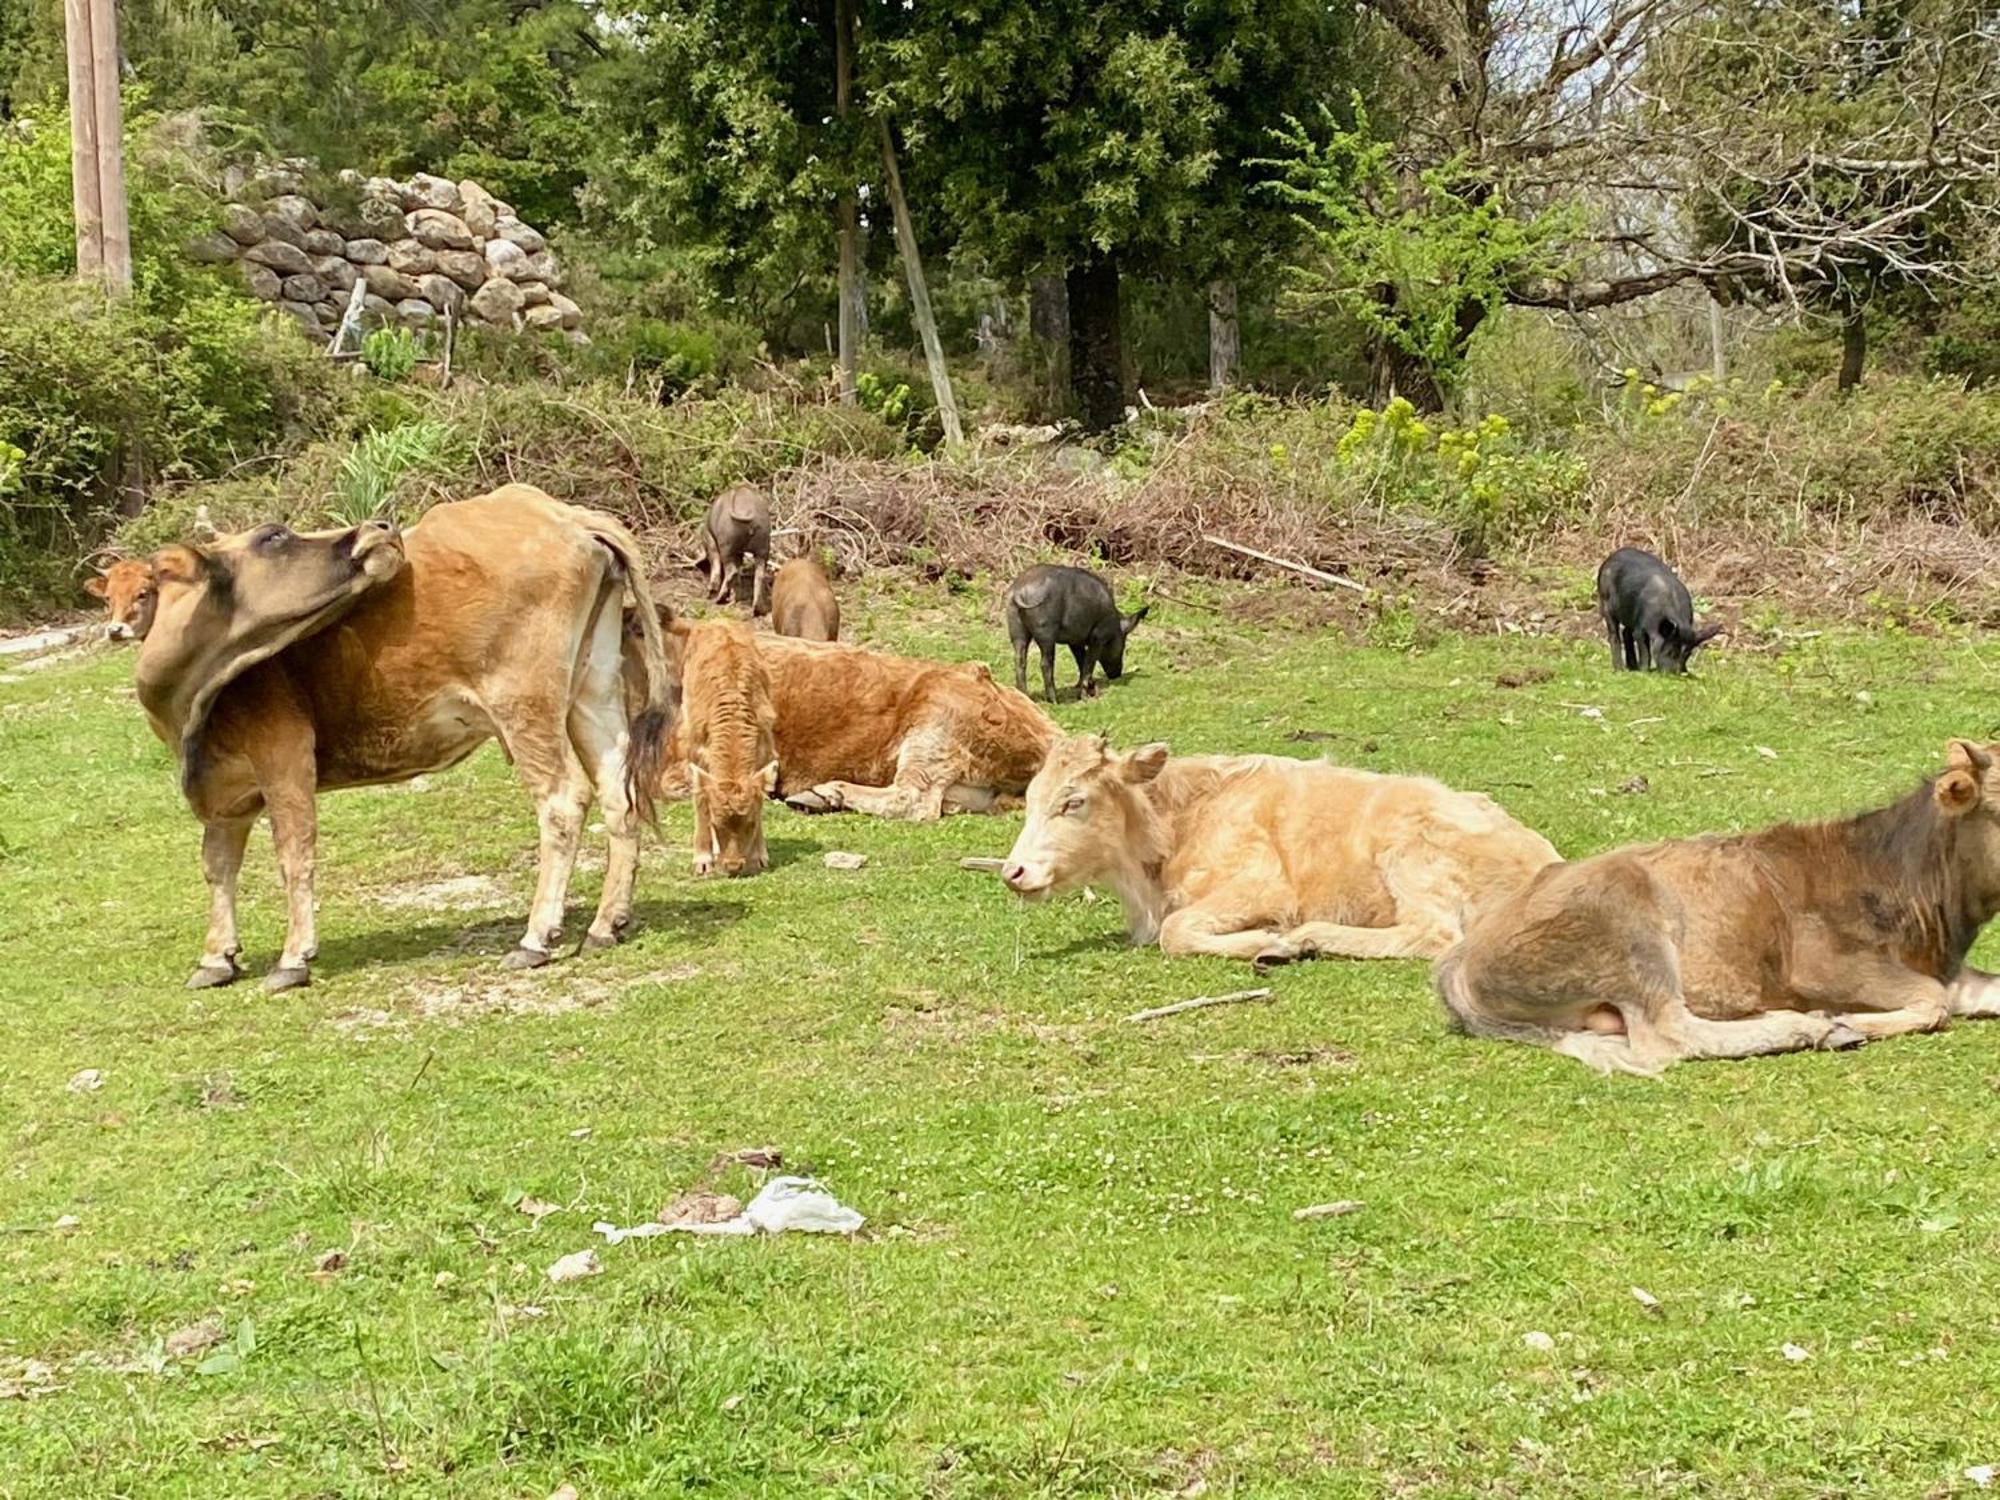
[
  {"x": 1267, "y": 858},
  {"x": 126, "y": 587},
  {"x": 1801, "y": 936},
  {"x": 726, "y": 730},
  {"x": 862, "y": 731},
  {"x": 282, "y": 664}
]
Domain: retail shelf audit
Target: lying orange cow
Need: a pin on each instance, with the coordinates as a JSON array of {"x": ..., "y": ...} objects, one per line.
[
  {"x": 282, "y": 664},
  {"x": 1818, "y": 935},
  {"x": 1268, "y": 858}
]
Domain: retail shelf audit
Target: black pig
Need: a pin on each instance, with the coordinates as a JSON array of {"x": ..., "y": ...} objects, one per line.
[
  {"x": 1648, "y": 616},
  {"x": 1057, "y": 606},
  {"x": 739, "y": 526}
]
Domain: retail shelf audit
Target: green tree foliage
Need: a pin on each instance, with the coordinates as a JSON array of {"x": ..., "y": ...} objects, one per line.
[
  {"x": 465, "y": 88},
  {"x": 1418, "y": 260}
]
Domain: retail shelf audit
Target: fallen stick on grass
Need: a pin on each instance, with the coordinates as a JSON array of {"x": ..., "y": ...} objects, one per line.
[
  {"x": 1200, "y": 1002},
  {"x": 989, "y": 866},
  {"x": 1284, "y": 562},
  {"x": 1338, "y": 1210}
]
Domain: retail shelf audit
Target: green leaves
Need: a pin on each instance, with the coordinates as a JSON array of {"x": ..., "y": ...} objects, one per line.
[{"x": 232, "y": 1356}]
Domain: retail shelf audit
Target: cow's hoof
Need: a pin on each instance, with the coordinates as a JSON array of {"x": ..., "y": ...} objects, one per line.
[
  {"x": 287, "y": 979},
  {"x": 1840, "y": 1037},
  {"x": 524, "y": 958},
  {"x": 213, "y": 976},
  {"x": 597, "y": 942},
  {"x": 1276, "y": 954},
  {"x": 808, "y": 802}
]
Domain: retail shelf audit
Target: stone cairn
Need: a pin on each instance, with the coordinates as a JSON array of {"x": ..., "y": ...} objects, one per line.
[{"x": 421, "y": 248}]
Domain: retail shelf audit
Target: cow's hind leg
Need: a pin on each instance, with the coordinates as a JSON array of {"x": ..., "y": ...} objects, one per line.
[
  {"x": 560, "y": 786},
  {"x": 221, "y": 860},
  {"x": 599, "y": 734},
  {"x": 1975, "y": 994}
]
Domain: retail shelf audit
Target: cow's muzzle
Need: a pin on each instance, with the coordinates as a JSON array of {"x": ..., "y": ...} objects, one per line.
[
  {"x": 1023, "y": 881},
  {"x": 376, "y": 547}
]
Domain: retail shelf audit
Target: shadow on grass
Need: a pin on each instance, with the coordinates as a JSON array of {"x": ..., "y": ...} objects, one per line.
[{"x": 347, "y": 951}]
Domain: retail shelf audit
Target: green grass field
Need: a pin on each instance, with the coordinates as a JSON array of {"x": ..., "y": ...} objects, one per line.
[{"x": 1081, "y": 1274}]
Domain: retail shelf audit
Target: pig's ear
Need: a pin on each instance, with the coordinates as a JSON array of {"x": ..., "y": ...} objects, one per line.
[
  {"x": 1142, "y": 765},
  {"x": 1706, "y": 633},
  {"x": 1131, "y": 622}
]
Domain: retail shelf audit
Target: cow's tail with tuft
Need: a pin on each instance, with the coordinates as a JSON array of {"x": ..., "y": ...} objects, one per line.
[{"x": 653, "y": 726}]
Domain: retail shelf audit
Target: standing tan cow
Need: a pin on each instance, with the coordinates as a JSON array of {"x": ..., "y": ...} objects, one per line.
[
  {"x": 1802, "y": 936},
  {"x": 726, "y": 732},
  {"x": 802, "y": 601},
  {"x": 282, "y": 664},
  {"x": 1267, "y": 858},
  {"x": 127, "y": 589}
]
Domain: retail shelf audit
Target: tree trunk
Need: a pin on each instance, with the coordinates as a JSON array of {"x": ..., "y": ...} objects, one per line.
[
  {"x": 920, "y": 296},
  {"x": 85, "y": 199},
  {"x": 1853, "y": 346},
  {"x": 110, "y": 146},
  {"x": 1096, "y": 343},
  {"x": 1225, "y": 338},
  {"x": 1048, "y": 321},
  {"x": 847, "y": 210}
]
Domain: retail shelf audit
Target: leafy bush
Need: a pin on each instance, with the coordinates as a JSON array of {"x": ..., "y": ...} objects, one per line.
[
  {"x": 389, "y": 353},
  {"x": 369, "y": 475}
]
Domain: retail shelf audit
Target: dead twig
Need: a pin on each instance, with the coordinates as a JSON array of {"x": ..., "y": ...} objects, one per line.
[
  {"x": 985, "y": 866},
  {"x": 1201, "y": 1002},
  {"x": 1281, "y": 562}
]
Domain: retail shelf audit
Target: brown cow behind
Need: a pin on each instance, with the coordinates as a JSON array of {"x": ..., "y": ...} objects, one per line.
[
  {"x": 1268, "y": 858},
  {"x": 802, "y": 601},
  {"x": 895, "y": 736},
  {"x": 129, "y": 594},
  {"x": 280, "y": 665},
  {"x": 726, "y": 732},
  {"x": 1800, "y": 936}
]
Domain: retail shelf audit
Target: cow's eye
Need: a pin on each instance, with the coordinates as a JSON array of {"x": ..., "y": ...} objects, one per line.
[
  {"x": 271, "y": 538},
  {"x": 1072, "y": 805}
]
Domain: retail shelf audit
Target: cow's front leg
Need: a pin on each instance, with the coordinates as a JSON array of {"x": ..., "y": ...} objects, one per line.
[
  {"x": 906, "y": 800},
  {"x": 704, "y": 833},
  {"x": 295, "y": 834},
  {"x": 221, "y": 860},
  {"x": 1222, "y": 934},
  {"x": 1873, "y": 998},
  {"x": 1975, "y": 994}
]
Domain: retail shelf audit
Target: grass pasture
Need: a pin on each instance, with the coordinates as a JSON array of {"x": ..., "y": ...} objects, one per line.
[{"x": 1081, "y": 1274}]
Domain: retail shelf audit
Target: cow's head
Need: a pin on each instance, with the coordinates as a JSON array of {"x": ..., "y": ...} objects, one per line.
[
  {"x": 1088, "y": 819},
  {"x": 1674, "y": 644},
  {"x": 735, "y": 800},
  {"x": 222, "y": 607},
  {"x": 126, "y": 587},
  {"x": 1114, "y": 650}
]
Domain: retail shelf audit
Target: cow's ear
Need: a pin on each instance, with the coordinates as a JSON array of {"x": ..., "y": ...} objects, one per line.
[
  {"x": 769, "y": 776},
  {"x": 180, "y": 564},
  {"x": 1131, "y": 622},
  {"x": 1143, "y": 764},
  {"x": 1964, "y": 755},
  {"x": 1957, "y": 792},
  {"x": 96, "y": 587}
]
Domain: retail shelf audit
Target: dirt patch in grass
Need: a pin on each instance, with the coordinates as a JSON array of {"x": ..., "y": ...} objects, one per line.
[
  {"x": 453, "y": 893},
  {"x": 554, "y": 991}
]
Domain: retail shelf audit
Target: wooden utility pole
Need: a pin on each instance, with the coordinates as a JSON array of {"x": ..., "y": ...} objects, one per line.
[
  {"x": 847, "y": 209},
  {"x": 1225, "y": 339},
  {"x": 97, "y": 144},
  {"x": 920, "y": 297}
]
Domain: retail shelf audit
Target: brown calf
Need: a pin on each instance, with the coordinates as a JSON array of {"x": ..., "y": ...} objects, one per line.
[
  {"x": 863, "y": 731},
  {"x": 802, "y": 601},
  {"x": 1267, "y": 858},
  {"x": 128, "y": 592},
  {"x": 726, "y": 732},
  {"x": 281, "y": 664},
  {"x": 1800, "y": 936}
]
